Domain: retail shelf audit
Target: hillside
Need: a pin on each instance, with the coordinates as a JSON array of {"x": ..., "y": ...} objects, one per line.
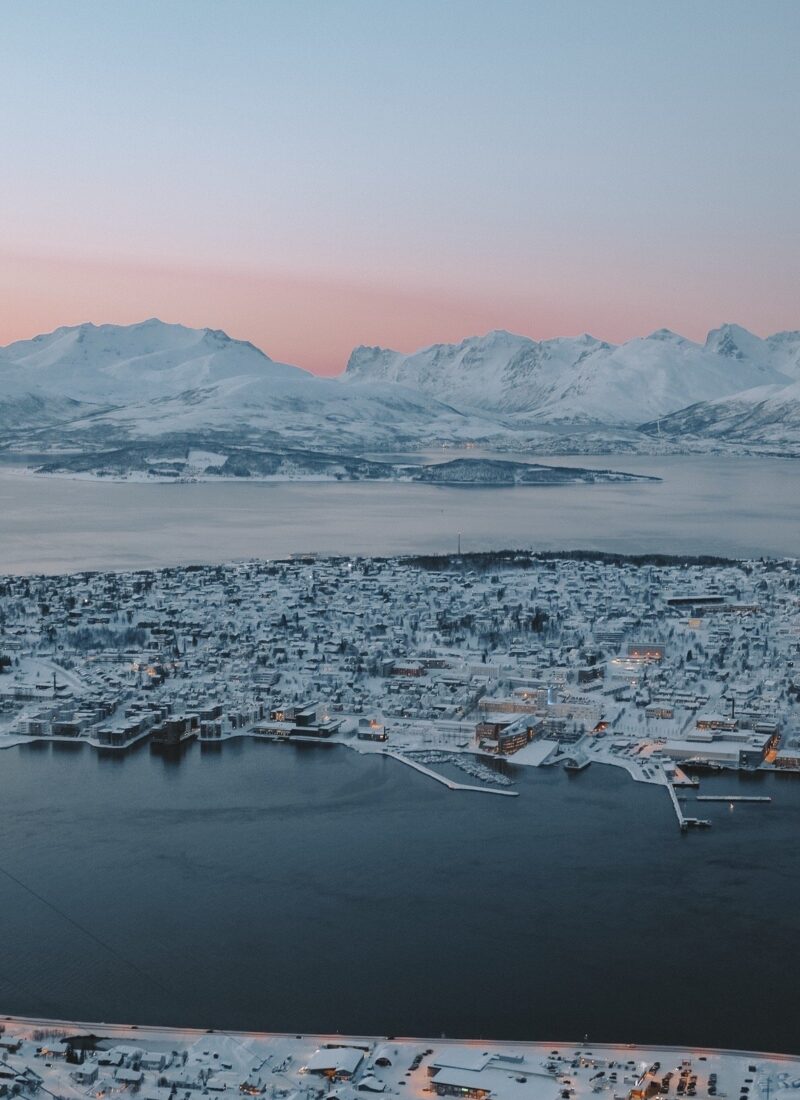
[{"x": 770, "y": 414}]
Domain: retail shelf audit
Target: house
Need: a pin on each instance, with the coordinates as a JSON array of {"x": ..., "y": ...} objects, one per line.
[
  {"x": 335, "y": 1061},
  {"x": 129, "y": 1076},
  {"x": 181, "y": 1082},
  {"x": 371, "y": 730},
  {"x": 86, "y": 1074},
  {"x": 113, "y": 1057},
  {"x": 55, "y": 1048},
  {"x": 155, "y": 1060},
  {"x": 370, "y": 1084}
]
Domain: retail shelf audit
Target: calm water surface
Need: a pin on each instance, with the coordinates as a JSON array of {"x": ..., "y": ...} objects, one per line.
[
  {"x": 276, "y": 886},
  {"x": 268, "y": 886},
  {"x": 736, "y": 507}
]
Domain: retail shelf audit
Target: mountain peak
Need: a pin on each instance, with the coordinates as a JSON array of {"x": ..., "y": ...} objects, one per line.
[
  {"x": 733, "y": 342},
  {"x": 500, "y": 337},
  {"x": 666, "y": 334},
  {"x": 788, "y": 336}
]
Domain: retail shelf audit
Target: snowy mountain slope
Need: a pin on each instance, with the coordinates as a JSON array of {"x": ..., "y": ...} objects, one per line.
[
  {"x": 580, "y": 380},
  {"x": 23, "y": 407},
  {"x": 300, "y": 411},
  {"x": 766, "y": 415}
]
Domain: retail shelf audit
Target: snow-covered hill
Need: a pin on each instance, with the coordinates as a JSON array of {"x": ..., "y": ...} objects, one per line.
[{"x": 119, "y": 364}]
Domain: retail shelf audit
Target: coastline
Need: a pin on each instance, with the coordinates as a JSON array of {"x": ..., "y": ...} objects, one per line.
[{"x": 576, "y": 1057}]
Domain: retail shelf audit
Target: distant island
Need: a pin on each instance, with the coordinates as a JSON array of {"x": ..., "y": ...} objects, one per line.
[{"x": 161, "y": 462}]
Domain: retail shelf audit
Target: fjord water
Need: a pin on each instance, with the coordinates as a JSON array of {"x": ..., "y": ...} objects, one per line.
[
  {"x": 306, "y": 888},
  {"x": 730, "y": 506}
]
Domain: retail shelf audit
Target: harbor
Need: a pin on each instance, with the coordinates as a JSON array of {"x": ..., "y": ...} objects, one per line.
[{"x": 451, "y": 784}]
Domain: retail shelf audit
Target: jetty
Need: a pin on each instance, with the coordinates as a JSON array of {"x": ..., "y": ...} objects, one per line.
[{"x": 685, "y": 822}]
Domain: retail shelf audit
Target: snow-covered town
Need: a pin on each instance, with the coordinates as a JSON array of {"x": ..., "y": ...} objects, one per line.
[
  {"x": 75, "y": 1061},
  {"x": 452, "y": 666}
]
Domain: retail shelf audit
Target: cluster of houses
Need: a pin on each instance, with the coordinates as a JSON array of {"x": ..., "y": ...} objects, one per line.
[{"x": 697, "y": 663}]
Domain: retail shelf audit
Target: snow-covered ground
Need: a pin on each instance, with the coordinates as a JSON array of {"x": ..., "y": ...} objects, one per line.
[{"x": 108, "y": 1060}]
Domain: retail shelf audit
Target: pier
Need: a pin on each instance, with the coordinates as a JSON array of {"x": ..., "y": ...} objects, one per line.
[
  {"x": 684, "y": 822},
  {"x": 733, "y": 798},
  {"x": 677, "y": 807},
  {"x": 451, "y": 784}
]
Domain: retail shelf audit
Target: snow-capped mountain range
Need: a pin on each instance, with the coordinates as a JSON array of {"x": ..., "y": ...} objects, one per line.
[{"x": 88, "y": 387}]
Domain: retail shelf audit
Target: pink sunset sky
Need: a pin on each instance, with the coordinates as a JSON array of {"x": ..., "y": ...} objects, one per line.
[{"x": 313, "y": 176}]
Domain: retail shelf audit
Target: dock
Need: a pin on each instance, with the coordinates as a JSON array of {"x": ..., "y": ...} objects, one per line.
[
  {"x": 733, "y": 798},
  {"x": 451, "y": 784},
  {"x": 677, "y": 808}
]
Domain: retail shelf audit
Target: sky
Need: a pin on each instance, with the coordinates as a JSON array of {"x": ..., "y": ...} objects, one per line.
[{"x": 316, "y": 174}]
